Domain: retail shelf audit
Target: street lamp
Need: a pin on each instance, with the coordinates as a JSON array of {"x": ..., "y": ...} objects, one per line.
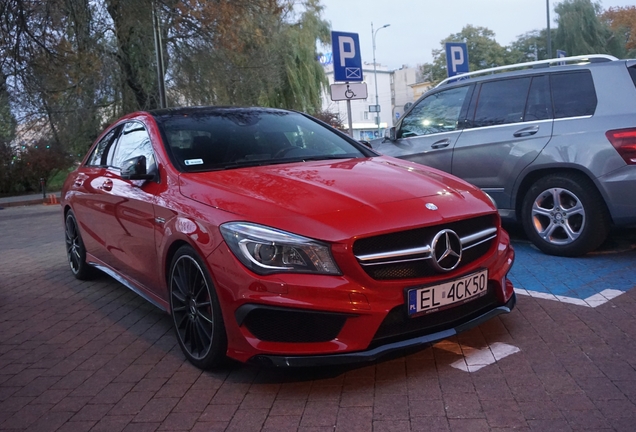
[
  {"x": 375, "y": 75},
  {"x": 549, "y": 42}
]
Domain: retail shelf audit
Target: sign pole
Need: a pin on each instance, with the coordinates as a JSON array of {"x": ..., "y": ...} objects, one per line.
[{"x": 349, "y": 118}]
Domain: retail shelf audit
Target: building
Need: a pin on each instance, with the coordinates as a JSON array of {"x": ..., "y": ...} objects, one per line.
[
  {"x": 419, "y": 88},
  {"x": 402, "y": 95}
]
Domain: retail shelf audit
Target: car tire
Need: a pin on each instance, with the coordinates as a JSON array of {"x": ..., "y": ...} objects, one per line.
[
  {"x": 75, "y": 250},
  {"x": 564, "y": 215},
  {"x": 195, "y": 310}
]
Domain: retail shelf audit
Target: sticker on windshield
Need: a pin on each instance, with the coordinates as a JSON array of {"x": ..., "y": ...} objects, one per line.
[{"x": 193, "y": 161}]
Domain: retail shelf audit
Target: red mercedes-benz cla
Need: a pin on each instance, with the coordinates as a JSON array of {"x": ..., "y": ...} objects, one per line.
[{"x": 271, "y": 237}]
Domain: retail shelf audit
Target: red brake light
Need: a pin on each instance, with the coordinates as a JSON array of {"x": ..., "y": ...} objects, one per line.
[{"x": 624, "y": 141}]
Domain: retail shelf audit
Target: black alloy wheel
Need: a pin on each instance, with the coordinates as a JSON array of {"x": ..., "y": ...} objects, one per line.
[
  {"x": 75, "y": 250},
  {"x": 195, "y": 310}
]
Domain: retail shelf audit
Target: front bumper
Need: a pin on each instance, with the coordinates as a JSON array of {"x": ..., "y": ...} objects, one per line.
[
  {"x": 374, "y": 354},
  {"x": 297, "y": 320}
]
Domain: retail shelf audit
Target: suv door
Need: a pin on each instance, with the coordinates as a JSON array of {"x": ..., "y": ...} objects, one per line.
[
  {"x": 509, "y": 123},
  {"x": 429, "y": 131}
]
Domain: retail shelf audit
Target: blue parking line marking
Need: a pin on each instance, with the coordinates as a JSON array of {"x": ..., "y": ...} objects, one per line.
[{"x": 577, "y": 278}]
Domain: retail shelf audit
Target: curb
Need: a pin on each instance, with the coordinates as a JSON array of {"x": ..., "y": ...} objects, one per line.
[{"x": 52, "y": 199}]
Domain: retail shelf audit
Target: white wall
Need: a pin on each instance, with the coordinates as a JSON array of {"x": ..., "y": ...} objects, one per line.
[{"x": 402, "y": 90}]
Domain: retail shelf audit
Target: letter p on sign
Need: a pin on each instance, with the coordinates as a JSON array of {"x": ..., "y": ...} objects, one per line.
[
  {"x": 345, "y": 42},
  {"x": 456, "y": 58}
]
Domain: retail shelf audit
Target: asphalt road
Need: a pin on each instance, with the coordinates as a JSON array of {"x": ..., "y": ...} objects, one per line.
[{"x": 79, "y": 356}]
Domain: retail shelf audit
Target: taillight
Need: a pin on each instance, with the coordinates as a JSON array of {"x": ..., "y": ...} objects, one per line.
[{"x": 624, "y": 141}]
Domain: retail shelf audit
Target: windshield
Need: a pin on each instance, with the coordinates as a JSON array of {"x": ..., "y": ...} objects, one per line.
[{"x": 232, "y": 138}]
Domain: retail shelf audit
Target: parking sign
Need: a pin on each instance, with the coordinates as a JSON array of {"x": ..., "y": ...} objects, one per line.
[
  {"x": 347, "y": 62},
  {"x": 456, "y": 58}
]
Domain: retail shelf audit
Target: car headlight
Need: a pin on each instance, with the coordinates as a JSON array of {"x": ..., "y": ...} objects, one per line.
[{"x": 267, "y": 250}]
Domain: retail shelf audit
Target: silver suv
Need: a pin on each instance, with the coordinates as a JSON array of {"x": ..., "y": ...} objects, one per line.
[{"x": 554, "y": 144}]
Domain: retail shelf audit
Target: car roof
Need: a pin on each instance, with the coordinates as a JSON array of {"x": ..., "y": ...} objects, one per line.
[
  {"x": 531, "y": 70},
  {"x": 210, "y": 110}
]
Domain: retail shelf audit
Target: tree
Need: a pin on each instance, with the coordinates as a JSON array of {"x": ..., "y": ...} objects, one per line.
[
  {"x": 331, "y": 118},
  {"x": 73, "y": 66},
  {"x": 232, "y": 61},
  {"x": 302, "y": 75},
  {"x": 483, "y": 52},
  {"x": 7, "y": 133},
  {"x": 581, "y": 32},
  {"x": 134, "y": 36},
  {"x": 531, "y": 46},
  {"x": 55, "y": 68},
  {"x": 267, "y": 57},
  {"x": 622, "y": 20},
  {"x": 41, "y": 161}
]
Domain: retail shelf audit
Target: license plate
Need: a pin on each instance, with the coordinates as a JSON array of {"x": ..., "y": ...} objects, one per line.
[{"x": 432, "y": 298}]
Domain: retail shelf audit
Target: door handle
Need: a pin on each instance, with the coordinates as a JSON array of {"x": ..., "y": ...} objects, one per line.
[
  {"x": 441, "y": 144},
  {"x": 107, "y": 185},
  {"x": 531, "y": 130},
  {"x": 79, "y": 180}
]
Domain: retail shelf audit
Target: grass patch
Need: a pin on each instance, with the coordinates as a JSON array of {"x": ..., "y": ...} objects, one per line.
[{"x": 56, "y": 182}]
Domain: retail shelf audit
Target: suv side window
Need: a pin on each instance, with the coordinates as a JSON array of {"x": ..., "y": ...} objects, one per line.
[
  {"x": 436, "y": 113},
  {"x": 98, "y": 157},
  {"x": 134, "y": 141},
  {"x": 573, "y": 94},
  {"x": 539, "y": 106},
  {"x": 632, "y": 73},
  {"x": 501, "y": 102}
]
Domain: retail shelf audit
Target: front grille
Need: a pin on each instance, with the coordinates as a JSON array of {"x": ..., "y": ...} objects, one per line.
[
  {"x": 286, "y": 325},
  {"x": 399, "y": 326},
  {"x": 404, "y": 254}
]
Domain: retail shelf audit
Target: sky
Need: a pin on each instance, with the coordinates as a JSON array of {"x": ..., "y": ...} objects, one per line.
[{"x": 418, "y": 26}]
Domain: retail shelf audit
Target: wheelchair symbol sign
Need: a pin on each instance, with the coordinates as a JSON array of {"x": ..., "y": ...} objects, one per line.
[{"x": 348, "y": 91}]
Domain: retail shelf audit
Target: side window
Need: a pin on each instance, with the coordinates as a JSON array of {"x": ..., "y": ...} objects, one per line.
[
  {"x": 573, "y": 94},
  {"x": 98, "y": 157},
  {"x": 134, "y": 141},
  {"x": 632, "y": 73},
  {"x": 538, "y": 106},
  {"x": 436, "y": 113},
  {"x": 501, "y": 102}
]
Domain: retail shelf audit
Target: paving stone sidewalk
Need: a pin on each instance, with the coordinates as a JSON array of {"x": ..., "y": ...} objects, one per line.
[{"x": 93, "y": 356}]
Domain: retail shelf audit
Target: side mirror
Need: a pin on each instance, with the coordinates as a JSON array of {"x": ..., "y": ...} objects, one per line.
[
  {"x": 135, "y": 169},
  {"x": 366, "y": 143},
  {"x": 390, "y": 134}
]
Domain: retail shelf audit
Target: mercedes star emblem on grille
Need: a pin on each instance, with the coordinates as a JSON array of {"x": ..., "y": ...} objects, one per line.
[{"x": 447, "y": 250}]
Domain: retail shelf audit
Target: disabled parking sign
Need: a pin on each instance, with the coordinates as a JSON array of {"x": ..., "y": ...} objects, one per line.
[{"x": 347, "y": 62}]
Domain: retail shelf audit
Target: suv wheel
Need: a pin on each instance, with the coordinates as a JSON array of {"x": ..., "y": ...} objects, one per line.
[{"x": 564, "y": 215}]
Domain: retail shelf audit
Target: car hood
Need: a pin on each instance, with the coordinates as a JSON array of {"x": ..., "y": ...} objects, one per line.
[{"x": 329, "y": 200}]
